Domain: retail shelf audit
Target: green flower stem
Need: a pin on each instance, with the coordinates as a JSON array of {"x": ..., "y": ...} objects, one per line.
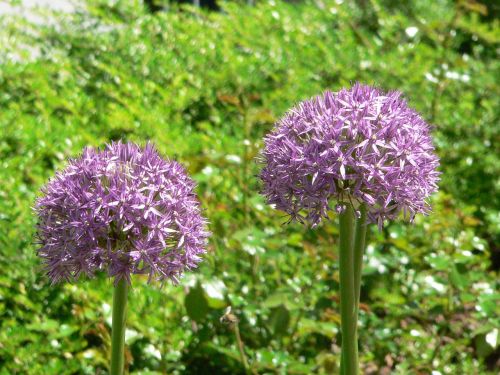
[
  {"x": 241, "y": 348},
  {"x": 349, "y": 365},
  {"x": 118, "y": 330},
  {"x": 359, "y": 249}
]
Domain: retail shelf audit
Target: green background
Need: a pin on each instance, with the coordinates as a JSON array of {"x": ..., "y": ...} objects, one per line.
[{"x": 206, "y": 87}]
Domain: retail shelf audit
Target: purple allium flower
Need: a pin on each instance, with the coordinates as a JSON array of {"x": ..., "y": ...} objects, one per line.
[
  {"x": 122, "y": 210},
  {"x": 359, "y": 145}
]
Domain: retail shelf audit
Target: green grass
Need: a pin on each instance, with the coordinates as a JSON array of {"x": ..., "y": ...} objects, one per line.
[{"x": 205, "y": 87}]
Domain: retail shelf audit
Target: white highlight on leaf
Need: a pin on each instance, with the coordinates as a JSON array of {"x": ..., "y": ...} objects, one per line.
[
  {"x": 492, "y": 338},
  {"x": 411, "y": 31},
  {"x": 434, "y": 284},
  {"x": 234, "y": 159},
  {"x": 152, "y": 351}
]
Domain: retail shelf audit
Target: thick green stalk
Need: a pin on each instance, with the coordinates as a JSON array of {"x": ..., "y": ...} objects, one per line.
[
  {"x": 118, "y": 329},
  {"x": 359, "y": 249},
  {"x": 349, "y": 364}
]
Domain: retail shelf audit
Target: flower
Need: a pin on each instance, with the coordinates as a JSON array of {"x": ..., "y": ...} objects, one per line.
[
  {"x": 123, "y": 210},
  {"x": 359, "y": 146}
]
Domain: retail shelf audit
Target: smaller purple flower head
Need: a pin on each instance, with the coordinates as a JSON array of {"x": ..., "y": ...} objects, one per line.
[
  {"x": 122, "y": 210},
  {"x": 358, "y": 146}
]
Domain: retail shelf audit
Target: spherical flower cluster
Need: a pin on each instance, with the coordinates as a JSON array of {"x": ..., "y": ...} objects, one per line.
[
  {"x": 122, "y": 210},
  {"x": 358, "y": 146}
]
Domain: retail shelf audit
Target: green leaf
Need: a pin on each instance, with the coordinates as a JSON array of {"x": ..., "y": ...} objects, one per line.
[
  {"x": 327, "y": 329},
  {"x": 280, "y": 298},
  {"x": 279, "y": 320},
  {"x": 196, "y": 303},
  {"x": 483, "y": 348},
  {"x": 458, "y": 279},
  {"x": 214, "y": 291}
]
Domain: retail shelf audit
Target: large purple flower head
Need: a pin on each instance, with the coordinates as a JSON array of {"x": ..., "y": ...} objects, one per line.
[
  {"x": 122, "y": 210},
  {"x": 358, "y": 146}
]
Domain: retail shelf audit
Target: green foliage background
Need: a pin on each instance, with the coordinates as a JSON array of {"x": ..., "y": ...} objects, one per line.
[{"x": 205, "y": 87}]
